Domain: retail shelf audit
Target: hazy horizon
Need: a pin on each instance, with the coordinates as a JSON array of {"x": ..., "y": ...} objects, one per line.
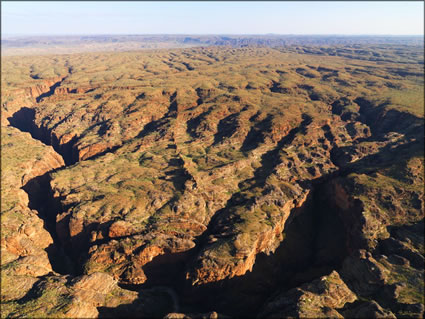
[
  {"x": 402, "y": 18},
  {"x": 210, "y": 34}
]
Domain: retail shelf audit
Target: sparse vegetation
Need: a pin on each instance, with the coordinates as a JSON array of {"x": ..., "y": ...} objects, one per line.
[{"x": 192, "y": 163}]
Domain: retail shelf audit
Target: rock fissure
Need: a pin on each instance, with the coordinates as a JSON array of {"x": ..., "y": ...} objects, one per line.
[
  {"x": 50, "y": 92},
  {"x": 24, "y": 120},
  {"x": 259, "y": 192},
  {"x": 40, "y": 194},
  {"x": 41, "y": 199},
  {"x": 311, "y": 248}
]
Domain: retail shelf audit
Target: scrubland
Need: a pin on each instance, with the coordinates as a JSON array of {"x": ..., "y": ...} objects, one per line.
[{"x": 284, "y": 181}]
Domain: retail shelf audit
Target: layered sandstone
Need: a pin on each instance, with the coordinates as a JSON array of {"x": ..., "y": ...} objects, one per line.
[{"x": 189, "y": 169}]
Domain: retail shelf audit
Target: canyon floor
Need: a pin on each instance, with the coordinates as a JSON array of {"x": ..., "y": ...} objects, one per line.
[{"x": 214, "y": 182}]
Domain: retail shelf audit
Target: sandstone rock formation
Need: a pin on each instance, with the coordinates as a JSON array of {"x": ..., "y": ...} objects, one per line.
[
  {"x": 320, "y": 298},
  {"x": 183, "y": 183}
]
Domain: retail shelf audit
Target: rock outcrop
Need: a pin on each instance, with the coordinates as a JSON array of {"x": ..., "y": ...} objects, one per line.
[
  {"x": 320, "y": 298},
  {"x": 197, "y": 169}
]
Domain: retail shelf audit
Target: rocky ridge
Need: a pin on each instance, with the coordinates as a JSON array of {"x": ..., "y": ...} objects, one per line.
[{"x": 195, "y": 183}]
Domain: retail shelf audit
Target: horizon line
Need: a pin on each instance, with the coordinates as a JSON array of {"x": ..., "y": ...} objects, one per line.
[{"x": 211, "y": 34}]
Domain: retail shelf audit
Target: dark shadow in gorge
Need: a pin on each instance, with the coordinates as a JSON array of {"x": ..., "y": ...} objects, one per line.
[
  {"x": 256, "y": 134},
  {"x": 41, "y": 199},
  {"x": 23, "y": 120},
  {"x": 382, "y": 119},
  {"x": 314, "y": 245},
  {"x": 39, "y": 192},
  {"x": 50, "y": 92},
  {"x": 316, "y": 242},
  {"x": 226, "y": 128},
  {"x": 195, "y": 122}
]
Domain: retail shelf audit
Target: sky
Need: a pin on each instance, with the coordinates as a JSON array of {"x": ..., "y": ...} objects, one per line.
[{"x": 212, "y": 17}]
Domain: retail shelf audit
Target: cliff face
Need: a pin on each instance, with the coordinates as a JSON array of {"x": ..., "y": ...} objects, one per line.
[
  {"x": 24, "y": 238},
  {"x": 214, "y": 172}
]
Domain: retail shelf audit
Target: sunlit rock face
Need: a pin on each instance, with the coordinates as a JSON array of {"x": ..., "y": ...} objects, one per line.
[{"x": 214, "y": 182}]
